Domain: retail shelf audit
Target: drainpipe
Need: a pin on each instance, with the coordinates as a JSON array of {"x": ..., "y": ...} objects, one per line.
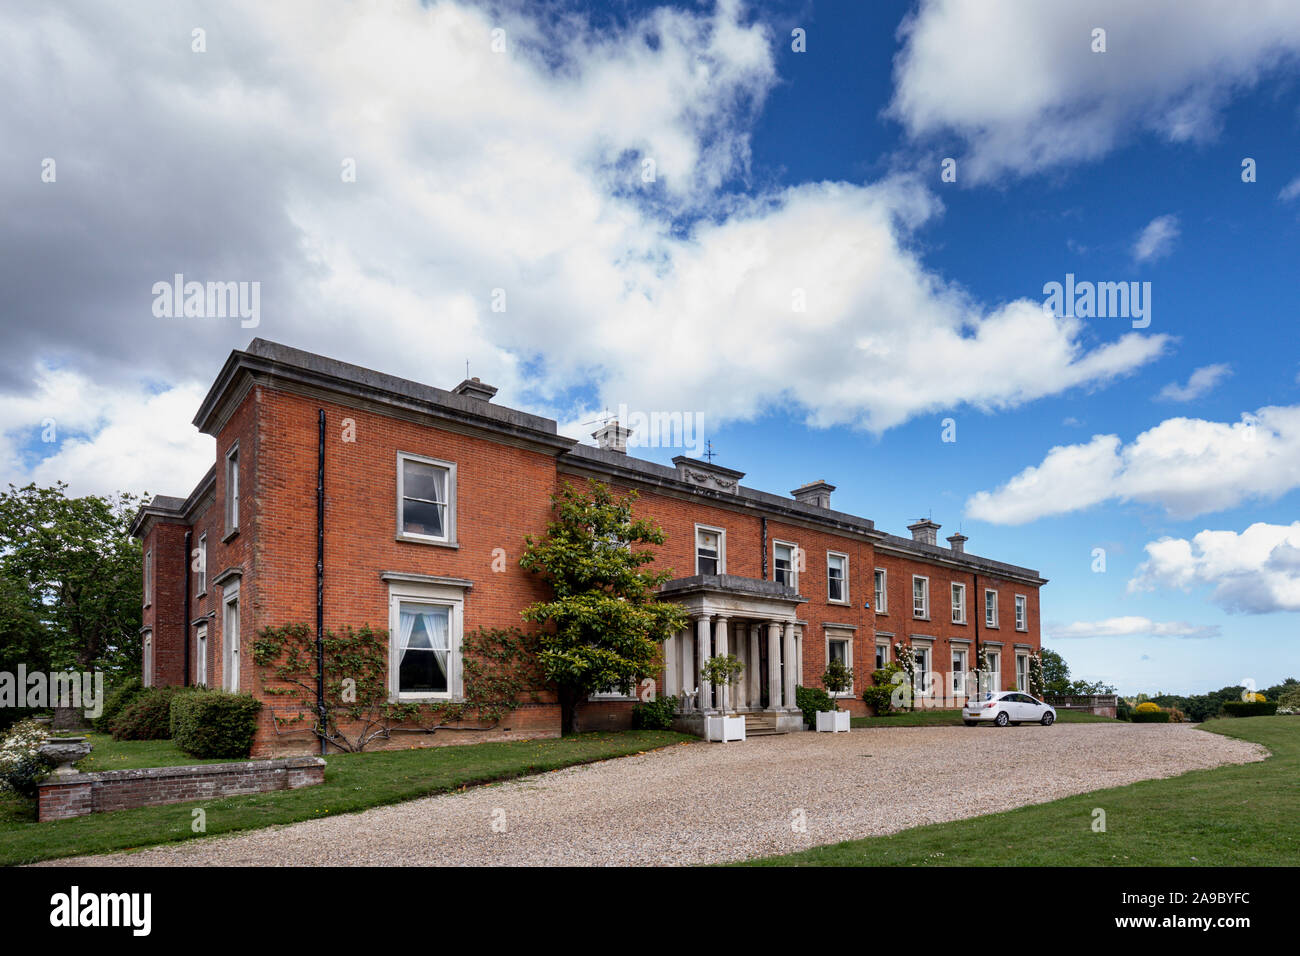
[
  {"x": 978, "y": 609},
  {"x": 764, "y": 520},
  {"x": 185, "y": 618},
  {"x": 320, "y": 577}
]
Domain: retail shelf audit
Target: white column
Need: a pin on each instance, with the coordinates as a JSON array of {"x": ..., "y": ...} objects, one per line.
[
  {"x": 720, "y": 638},
  {"x": 752, "y": 677},
  {"x": 702, "y": 655},
  {"x": 671, "y": 669},
  {"x": 773, "y": 665},
  {"x": 688, "y": 666},
  {"x": 791, "y": 678}
]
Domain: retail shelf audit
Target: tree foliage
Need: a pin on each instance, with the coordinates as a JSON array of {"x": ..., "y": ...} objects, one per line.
[
  {"x": 70, "y": 581},
  {"x": 606, "y": 627}
]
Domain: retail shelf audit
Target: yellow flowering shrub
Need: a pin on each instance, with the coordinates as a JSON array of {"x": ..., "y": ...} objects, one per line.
[{"x": 1147, "y": 707}]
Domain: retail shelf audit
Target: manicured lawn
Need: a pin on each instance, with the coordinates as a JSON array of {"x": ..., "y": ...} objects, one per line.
[
  {"x": 1247, "y": 815},
  {"x": 952, "y": 718},
  {"x": 352, "y": 782}
]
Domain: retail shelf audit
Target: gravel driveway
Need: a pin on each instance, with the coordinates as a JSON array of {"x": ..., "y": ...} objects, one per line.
[{"x": 703, "y": 803}]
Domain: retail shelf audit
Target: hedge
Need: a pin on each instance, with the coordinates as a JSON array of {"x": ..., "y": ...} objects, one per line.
[
  {"x": 214, "y": 723},
  {"x": 147, "y": 717},
  {"x": 1150, "y": 717},
  {"x": 115, "y": 701},
  {"x": 1242, "y": 708},
  {"x": 654, "y": 714}
]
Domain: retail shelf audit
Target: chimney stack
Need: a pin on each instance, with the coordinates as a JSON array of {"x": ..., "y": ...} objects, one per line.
[
  {"x": 958, "y": 543},
  {"x": 612, "y": 436},
  {"x": 923, "y": 531},
  {"x": 473, "y": 388},
  {"x": 815, "y": 493}
]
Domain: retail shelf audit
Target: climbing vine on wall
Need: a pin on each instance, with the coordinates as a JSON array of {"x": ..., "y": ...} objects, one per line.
[{"x": 498, "y": 668}]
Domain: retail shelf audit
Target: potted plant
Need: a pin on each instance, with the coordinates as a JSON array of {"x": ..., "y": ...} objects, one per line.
[
  {"x": 836, "y": 680},
  {"x": 723, "y": 670}
]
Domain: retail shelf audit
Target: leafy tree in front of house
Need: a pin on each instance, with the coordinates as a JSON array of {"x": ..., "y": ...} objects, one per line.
[
  {"x": 70, "y": 579},
  {"x": 606, "y": 628}
]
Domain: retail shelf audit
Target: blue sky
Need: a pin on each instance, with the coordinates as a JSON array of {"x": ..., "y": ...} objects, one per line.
[{"x": 518, "y": 169}]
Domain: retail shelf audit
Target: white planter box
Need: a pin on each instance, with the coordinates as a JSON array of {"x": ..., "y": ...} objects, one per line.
[
  {"x": 723, "y": 729},
  {"x": 832, "y": 721}
]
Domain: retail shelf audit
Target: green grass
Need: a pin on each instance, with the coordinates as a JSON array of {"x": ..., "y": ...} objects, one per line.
[
  {"x": 952, "y": 718},
  {"x": 352, "y": 782},
  {"x": 1246, "y": 815}
]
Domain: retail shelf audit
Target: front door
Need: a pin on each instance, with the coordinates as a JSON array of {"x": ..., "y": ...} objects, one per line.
[{"x": 763, "y": 700}]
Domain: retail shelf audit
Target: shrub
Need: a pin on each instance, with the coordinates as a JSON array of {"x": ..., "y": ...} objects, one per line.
[
  {"x": 214, "y": 723},
  {"x": 812, "y": 700},
  {"x": 1147, "y": 707},
  {"x": 1254, "y": 698},
  {"x": 879, "y": 694},
  {"x": 654, "y": 714},
  {"x": 1176, "y": 716},
  {"x": 1249, "y": 708},
  {"x": 147, "y": 717},
  {"x": 1156, "y": 716},
  {"x": 115, "y": 701},
  {"x": 1123, "y": 711},
  {"x": 21, "y": 761}
]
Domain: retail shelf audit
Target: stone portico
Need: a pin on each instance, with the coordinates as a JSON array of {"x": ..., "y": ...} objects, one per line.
[{"x": 755, "y": 620}]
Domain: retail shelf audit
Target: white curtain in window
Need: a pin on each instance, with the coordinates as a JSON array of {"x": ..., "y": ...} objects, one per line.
[
  {"x": 406, "y": 624},
  {"x": 435, "y": 625}
]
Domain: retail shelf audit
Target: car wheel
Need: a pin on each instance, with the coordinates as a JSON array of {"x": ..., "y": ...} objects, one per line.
[
  {"x": 1048, "y": 719},
  {"x": 1001, "y": 719},
  {"x": 970, "y": 723}
]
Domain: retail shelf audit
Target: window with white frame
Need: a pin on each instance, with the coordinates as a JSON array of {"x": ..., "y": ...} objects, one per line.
[
  {"x": 785, "y": 557},
  {"x": 148, "y": 577},
  {"x": 921, "y": 675},
  {"x": 1022, "y": 615},
  {"x": 882, "y": 592},
  {"x": 426, "y": 499},
  {"x": 201, "y": 656},
  {"x": 1022, "y": 673},
  {"x": 882, "y": 654},
  {"x": 840, "y": 648},
  {"x": 230, "y": 650},
  {"x": 959, "y": 659},
  {"x": 710, "y": 550},
  {"x": 146, "y": 660},
  {"x": 990, "y": 608},
  {"x": 920, "y": 596},
  {"x": 232, "y": 489},
  {"x": 201, "y": 565},
  {"x": 837, "y": 577},
  {"x": 993, "y": 660},
  {"x": 426, "y": 627},
  {"x": 959, "y": 604}
]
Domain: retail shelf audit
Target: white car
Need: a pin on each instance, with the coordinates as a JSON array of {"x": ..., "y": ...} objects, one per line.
[{"x": 1007, "y": 707}]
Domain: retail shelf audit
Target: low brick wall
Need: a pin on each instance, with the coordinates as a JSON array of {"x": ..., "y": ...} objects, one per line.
[
  {"x": 75, "y": 795},
  {"x": 1103, "y": 705}
]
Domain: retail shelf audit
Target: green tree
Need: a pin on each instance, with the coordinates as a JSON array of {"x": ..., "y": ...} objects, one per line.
[
  {"x": 607, "y": 627},
  {"x": 1056, "y": 673},
  {"x": 72, "y": 571}
]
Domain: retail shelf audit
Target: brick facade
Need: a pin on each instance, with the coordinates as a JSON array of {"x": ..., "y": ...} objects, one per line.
[{"x": 267, "y": 403}]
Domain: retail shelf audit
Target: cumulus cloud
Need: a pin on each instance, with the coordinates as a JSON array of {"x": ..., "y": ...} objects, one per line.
[
  {"x": 1255, "y": 572},
  {"x": 563, "y": 215},
  {"x": 1019, "y": 83},
  {"x": 1131, "y": 626},
  {"x": 1290, "y": 191},
  {"x": 1187, "y": 466},
  {"x": 1200, "y": 382},
  {"x": 1156, "y": 239}
]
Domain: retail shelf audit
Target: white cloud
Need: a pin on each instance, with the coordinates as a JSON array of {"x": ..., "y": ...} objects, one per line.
[
  {"x": 1156, "y": 239},
  {"x": 479, "y": 171},
  {"x": 1256, "y": 571},
  {"x": 1131, "y": 626},
  {"x": 103, "y": 439},
  {"x": 1200, "y": 382},
  {"x": 1290, "y": 191},
  {"x": 1018, "y": 81},
  {"x": 1188, "y": 466}
]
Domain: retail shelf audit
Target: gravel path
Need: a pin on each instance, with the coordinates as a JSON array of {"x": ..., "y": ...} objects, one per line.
[{"x": 704, "y": 803}]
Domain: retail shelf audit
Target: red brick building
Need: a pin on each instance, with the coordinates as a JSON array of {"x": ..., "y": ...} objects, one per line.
[{"x": 427, "y": 497}]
